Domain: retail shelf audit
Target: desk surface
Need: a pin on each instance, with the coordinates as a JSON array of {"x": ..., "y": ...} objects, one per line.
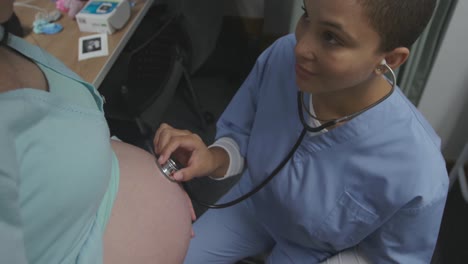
[{"x": 64, "y": 45}]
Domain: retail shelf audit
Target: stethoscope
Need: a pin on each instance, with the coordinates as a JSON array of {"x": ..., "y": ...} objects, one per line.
[{"x": 172, "y": 165}]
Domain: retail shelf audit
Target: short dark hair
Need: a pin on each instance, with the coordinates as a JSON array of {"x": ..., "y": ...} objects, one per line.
[{"x": 399, "y": 23}]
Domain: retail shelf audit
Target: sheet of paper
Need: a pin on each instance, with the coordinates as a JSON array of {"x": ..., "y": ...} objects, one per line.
[{"x": 92, "y": 46}]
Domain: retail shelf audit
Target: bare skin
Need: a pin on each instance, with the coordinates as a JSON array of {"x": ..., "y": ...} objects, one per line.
[
  {"x": 150, "y": 221},
  {"x": 16, "y": 72}
]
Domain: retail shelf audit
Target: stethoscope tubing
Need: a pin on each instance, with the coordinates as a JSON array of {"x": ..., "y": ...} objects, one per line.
[
  {"x": 280, "y": 166},
  {"x": 254, "y": 190}
]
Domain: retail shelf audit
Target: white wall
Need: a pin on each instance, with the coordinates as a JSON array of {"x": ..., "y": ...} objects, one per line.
[{"x": 444, "y": 101}]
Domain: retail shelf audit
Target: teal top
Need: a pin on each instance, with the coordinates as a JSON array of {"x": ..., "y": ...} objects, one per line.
[{"x": 55, "y": 165}]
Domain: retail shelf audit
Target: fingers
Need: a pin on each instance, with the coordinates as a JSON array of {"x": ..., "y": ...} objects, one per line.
[
  {"x": 184, "y": 174},
  {"x": 187, "y": 143},
  {"x": 192, "y": 211},
  {"x": 192, "y": 214},
  {"x": 164, "y": 134},
  {"x": 166, "y": 141},
  {"x": 187, "y": 148}
]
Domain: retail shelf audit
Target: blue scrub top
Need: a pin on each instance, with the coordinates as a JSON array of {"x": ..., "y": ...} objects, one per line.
[{"x": 378, "y": 181}]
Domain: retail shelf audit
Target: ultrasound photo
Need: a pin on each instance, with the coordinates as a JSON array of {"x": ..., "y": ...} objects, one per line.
[
  {"x": 93, "y": 46},
  {"x": 90, "y": 45}
]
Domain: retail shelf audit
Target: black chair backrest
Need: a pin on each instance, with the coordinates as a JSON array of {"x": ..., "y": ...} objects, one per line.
[{"x": 146, "y": 65}]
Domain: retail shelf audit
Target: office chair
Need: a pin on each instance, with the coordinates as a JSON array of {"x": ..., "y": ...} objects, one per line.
[
  {"x": 202, "y": 21},
  {"x": 142, "y": 83}
]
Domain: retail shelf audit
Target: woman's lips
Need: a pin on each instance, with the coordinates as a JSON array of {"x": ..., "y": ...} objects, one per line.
[{"x": 303, "y": 73}]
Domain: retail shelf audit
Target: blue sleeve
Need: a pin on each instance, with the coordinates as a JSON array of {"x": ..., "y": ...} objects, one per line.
[
  {"x": 409, "y": 236},
  {"x": 11, "y": 234},
  {"x": 237, "y": 120}
]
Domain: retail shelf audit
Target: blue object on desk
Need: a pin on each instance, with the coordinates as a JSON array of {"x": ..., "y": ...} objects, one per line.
[{"x": 43, "y": 27}]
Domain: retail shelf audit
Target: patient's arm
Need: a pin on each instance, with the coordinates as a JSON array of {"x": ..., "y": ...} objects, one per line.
[{"x": 150, "y": 221}]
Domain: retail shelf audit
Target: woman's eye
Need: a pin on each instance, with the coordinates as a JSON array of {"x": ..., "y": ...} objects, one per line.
[{"x": 330, "y": 38}]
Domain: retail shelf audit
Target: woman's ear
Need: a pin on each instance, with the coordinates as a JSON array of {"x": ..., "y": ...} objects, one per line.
[{"x": 397, "y": 57}]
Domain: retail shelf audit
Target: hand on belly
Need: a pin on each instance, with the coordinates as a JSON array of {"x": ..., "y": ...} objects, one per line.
[{"x": 151, "y": 214}]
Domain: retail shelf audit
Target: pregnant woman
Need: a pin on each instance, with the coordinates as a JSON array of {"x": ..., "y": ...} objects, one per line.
[{"x": 69, "y": 194}]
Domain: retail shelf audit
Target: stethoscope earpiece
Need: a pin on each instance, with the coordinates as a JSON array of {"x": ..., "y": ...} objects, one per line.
[{"x": 383, "y": 65}]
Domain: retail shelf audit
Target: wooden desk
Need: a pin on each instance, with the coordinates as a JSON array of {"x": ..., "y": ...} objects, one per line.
[{"x": 64, "y": 45}]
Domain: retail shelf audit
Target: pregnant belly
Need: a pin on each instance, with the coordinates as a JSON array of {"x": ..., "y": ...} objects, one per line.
[{"x": 150, "y": 219}]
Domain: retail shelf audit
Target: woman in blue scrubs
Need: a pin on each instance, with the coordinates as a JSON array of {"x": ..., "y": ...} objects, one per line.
[{"x": 376, "y": 182}]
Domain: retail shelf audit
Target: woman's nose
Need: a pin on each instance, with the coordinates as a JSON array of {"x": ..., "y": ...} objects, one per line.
[{"x": 305, "y": 47}]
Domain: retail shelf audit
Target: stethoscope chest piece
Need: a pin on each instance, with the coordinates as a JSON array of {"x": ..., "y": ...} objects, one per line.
[{"x": 169, "y": 168}]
